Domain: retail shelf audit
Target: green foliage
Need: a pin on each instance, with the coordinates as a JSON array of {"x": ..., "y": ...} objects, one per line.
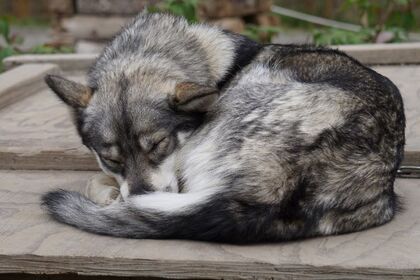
[
  {"x": 395, "y": 13},
  {"x": 5, "y": 52},
  {"x": 10, "y": 42},
  {"x": 188, "y": 10},
  {"x": 4, "y": 30},
  {"x": 13, "y": 42},
  {"x": 376, "y": 17},
  {"x": 334, "y": 36},
  {"x": 46, "y": 49},
  {"x": 260, "y": 33},
  {"x": 27, "y": 21},
  {"x": 400, "y": 34},
  {"x": 184, "y": 8}
]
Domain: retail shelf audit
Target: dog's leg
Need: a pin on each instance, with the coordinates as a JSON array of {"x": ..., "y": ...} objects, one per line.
[{"x": 102, "y": 189}]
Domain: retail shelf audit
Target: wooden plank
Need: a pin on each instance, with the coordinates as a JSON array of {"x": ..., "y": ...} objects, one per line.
[
  {"x": 94, "y": 27},
  {"x": 106, "y": 8},
  {"x": 373, "y": 54},
  {"x": 22, "y": 81},
  {"x": 48, "y": 158},
  {"x": 66, "y": 62},
  {"x": 31, "y": 242},
  {"x": 37, "y": 132},
  {"x": 407, "y": 78},
  {"x": 400, "y": 53}
]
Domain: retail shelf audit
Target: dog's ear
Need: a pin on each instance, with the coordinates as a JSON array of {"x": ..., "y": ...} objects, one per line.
[
  {"x": 73, "y": 94},
  {"x": 192, "y": 98}
]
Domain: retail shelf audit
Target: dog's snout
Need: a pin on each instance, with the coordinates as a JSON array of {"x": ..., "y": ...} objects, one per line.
[{"x": 139, "y": 187}]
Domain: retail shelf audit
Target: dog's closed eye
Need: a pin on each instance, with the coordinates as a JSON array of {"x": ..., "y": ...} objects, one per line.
[
  {"x": 155, "y": 142},
  {"x": 160, "y": 144},
  {"x": 113, "y": 162}
]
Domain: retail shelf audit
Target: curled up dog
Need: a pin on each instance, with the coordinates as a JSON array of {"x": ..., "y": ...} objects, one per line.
[{"x": 214, "y": 137}]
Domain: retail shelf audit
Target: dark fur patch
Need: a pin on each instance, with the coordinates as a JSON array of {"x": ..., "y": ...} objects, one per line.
[{"x": 245, "y": 51}]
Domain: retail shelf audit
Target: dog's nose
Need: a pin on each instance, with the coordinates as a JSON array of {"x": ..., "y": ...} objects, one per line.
[{"x": 138, "y": 188}]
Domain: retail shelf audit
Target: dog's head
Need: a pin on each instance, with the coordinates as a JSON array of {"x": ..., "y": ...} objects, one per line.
[{"x": 134, "y": 128}]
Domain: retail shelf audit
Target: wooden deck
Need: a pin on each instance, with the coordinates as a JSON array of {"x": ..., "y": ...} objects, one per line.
[
  {"x": 31, "y": 242},
  {"x": 36, "y": 132},
  {"x": 40, "y": 150}
]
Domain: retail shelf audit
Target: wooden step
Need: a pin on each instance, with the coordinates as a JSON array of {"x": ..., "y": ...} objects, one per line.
[
  {"x": 37, "y": 133},
  {"x": 370, "y": 54},
  {"x": 400, "y": 53},
  {"x": 31, "y": 242},
  {"x": 407, "y": 79},
  {"x": 22, "y": 82}
]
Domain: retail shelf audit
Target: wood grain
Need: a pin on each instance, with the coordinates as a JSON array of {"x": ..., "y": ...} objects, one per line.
[
  {"x": 401, "y": 53},
  {"x": 66, "y": 62},
  {"x": 22, "y": 81},
  {"x": 93, "y": 27},
  {"x": 38, "y": 133},
  {"x": 407, "y": 79},
  {"x": 31, "y": 242}
]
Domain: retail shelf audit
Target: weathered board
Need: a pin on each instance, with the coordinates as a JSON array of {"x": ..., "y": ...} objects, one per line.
[
  {"x": 66, "y": 62},
  {"x": 31, "y": 242},
  {"x": 23, "y": 81},
  {"x": 407, "y": 79},
  {"x": 37, "y": 132},
  {"x": 401, "y": 53},
  {"x": 377, "y": 54}
]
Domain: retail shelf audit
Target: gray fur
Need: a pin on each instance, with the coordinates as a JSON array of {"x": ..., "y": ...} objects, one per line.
[{"x": 302, "y": 142}]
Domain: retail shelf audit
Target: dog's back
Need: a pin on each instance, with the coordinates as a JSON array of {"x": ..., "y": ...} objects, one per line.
[{"x": 307, "y": 142}]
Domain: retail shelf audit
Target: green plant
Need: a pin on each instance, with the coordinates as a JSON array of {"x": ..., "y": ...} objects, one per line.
[
  {"x": 376, "y": 17},
  {"x": 260, "y": 33},
  {"x": 48, "y": 49},
  {"x": 12, "y": 43},
  {"x": 26, "y": 21},
  {"x": 188, "y": 9},
  {"x": 334, "y": 36},
  {"x": 184, "y": 8},
  {"x": 382, "y": 13}
]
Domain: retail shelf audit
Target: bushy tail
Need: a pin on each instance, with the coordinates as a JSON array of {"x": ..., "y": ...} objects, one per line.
[
  {"x": 156, "y": 215},
  {"x": 75, "y": 209},
  {"x": 171, "y": 215}
]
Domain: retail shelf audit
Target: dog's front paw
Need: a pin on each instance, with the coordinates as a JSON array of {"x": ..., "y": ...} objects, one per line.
[{"x": 102, "y": 189}]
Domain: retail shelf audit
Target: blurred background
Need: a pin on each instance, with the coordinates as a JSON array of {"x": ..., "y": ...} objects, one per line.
[{"x": 83, "y": 26}]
